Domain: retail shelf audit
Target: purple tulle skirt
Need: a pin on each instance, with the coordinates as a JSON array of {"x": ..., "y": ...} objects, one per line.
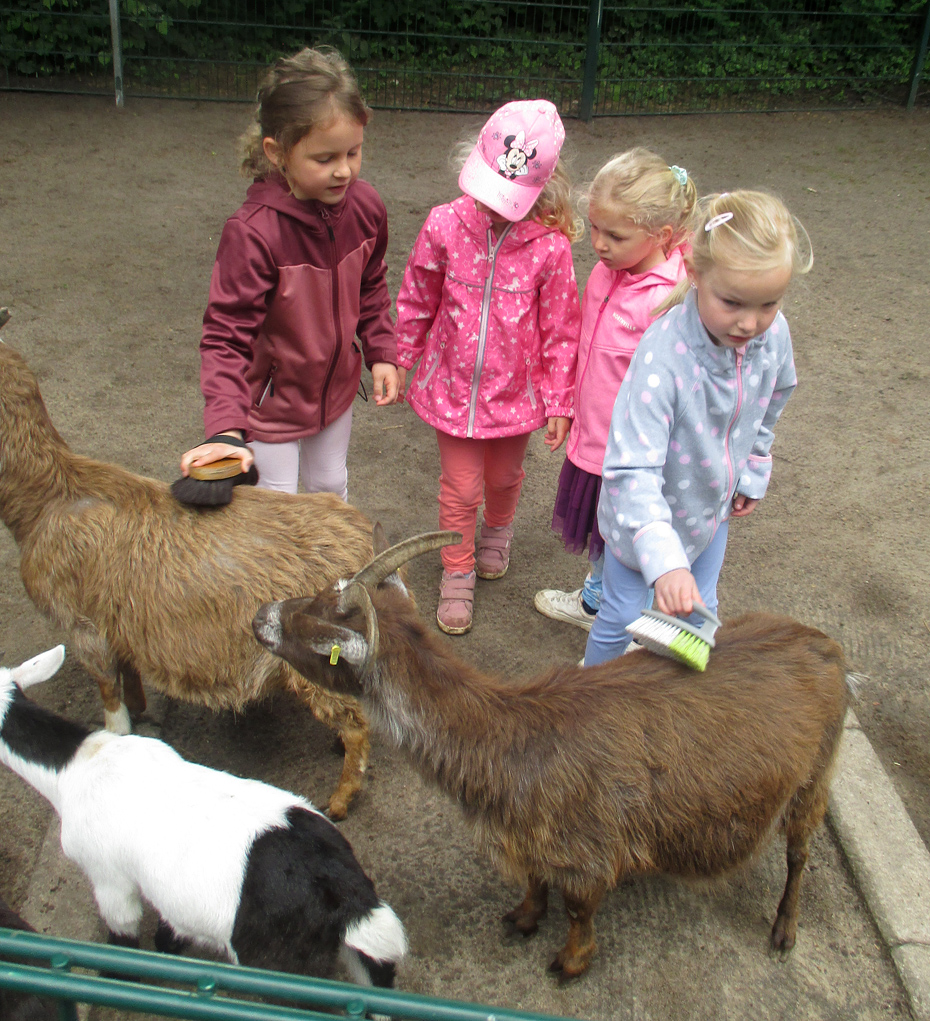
[{"x": 575, "y": 514}]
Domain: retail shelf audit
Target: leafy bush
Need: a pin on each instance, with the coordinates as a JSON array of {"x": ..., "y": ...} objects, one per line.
[{"x": 494, "y": 46}]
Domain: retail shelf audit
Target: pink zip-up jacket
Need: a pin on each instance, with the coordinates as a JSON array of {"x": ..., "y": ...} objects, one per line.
[
  {"x": 494, "y": 323},
  {"x": 293, "y": 284},
  {"x": 616, "y": 311}
]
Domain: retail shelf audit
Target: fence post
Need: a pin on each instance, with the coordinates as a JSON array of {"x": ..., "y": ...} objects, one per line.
[
  {"x": 589, "y": 83},
  {"x": 919, "y": 61},
  {"x": 117, "y": 37}
]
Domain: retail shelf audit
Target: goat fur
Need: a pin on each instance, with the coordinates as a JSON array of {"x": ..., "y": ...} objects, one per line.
[
  {"x": 581, "y": 777},
  {"x": 235, "y": 865},
  {"x": 147, "y": 589}
]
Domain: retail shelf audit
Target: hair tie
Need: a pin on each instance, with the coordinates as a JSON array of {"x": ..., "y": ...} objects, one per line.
[
  {"x": 681, "y": 175},
  {"x": 715, "y": 221}
]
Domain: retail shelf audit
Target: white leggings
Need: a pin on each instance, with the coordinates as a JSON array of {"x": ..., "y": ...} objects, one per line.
[{"x": 319, "y": 461}]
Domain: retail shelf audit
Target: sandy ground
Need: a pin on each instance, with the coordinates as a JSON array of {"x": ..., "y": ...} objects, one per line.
[{"x": 108, "y": 226}]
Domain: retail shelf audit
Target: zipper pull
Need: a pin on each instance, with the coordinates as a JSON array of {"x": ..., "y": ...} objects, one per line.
[{"x": 324, "y": 214}]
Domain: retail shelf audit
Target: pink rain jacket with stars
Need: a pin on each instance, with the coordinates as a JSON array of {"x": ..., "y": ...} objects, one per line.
[{"x": 494, "y": 323}]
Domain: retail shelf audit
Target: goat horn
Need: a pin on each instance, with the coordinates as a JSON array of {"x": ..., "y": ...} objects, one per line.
[
  {"x": 387, "y": 562},
  {"x": 356, "y": 596}
]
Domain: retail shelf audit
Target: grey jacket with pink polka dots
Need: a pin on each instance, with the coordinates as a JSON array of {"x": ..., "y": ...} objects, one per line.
[{"x": 691, "y": 427}]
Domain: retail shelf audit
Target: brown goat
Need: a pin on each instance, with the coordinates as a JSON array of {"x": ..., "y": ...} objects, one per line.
[
  {"x": 579, "y": 778},
  {"x": 147, "y": 588}
]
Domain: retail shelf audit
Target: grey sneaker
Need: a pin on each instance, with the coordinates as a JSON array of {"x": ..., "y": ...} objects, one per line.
[{"x": 565, "y": 606}]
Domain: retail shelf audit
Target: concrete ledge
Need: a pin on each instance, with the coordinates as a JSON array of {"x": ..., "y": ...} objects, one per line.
[{"x": 888, "y": 858}]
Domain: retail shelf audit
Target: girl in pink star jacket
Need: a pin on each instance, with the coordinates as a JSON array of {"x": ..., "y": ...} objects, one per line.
[{"x": 489, "y": 308}]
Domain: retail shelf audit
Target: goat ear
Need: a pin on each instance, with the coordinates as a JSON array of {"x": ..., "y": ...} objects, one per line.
[
  {"x": 39, "y": 668},
  {"x": 339, "y": 643},
  {"x": 379, "y": 541}
]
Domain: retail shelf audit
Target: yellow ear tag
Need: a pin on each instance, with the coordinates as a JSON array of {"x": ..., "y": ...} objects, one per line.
[{"x": 334, "y": 655}]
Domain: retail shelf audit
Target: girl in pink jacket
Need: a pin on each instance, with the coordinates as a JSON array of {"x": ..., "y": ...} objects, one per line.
[
  {"x": 489, "y": 307},
  {"x": 640, "y": 210}
]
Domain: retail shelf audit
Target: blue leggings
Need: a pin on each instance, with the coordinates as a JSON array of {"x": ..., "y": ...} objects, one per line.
[{"x": 625, "y": 595}]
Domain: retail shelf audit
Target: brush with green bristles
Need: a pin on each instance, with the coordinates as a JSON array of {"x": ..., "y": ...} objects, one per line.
[{"x": 675, "y": 638}]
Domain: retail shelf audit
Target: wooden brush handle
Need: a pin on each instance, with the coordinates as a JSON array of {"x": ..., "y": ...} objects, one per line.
[{"x": 225, "y": 468}]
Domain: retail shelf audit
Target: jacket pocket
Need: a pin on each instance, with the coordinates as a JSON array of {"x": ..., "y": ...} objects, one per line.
[
  {"x": 429, "y": 372},
  {"x": 530, "y": 392},
  {"x": 268, "y": 388}
]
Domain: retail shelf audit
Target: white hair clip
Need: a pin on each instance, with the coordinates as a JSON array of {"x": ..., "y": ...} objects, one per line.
[{"x": 715, "y": 221}]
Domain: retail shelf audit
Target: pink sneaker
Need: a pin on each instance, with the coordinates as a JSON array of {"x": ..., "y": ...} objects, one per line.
[
  {"x": 456, "y": 599},
  {"x": 492, "y": 555}
]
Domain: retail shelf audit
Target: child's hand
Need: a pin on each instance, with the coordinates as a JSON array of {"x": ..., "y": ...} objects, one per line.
[
  {"x": 556, "y": 431},
  {"x": 214, "y": 450},
  {"x": 742, "y": 505},
  {"x": 384, "y": 378},
  {"x": 676, "y": 593},
  {"x": 401, "y": 383}
]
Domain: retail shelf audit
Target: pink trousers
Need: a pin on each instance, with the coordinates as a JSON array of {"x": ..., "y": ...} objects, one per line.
[{"x": 472, "y": 471}]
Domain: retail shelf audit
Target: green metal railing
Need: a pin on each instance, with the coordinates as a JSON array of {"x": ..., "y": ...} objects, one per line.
[
  {"x": 590, "y": 57},
  {"x": 220, "y": 992}
]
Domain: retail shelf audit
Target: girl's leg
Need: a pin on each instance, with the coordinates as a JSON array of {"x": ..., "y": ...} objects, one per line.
[
  {"x": 323, "y": 458},
  {"x": 277, "y": 465},
  {"x": 706, "y": 571},
  {"x": 461, "y": 485},
  {"x": 503, "y": 480},
  {"x": 594, "y": 584},
  {"x": 624, "y": 596}
]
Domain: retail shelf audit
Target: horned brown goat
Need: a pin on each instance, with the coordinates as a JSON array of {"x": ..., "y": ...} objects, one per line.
[
  {"x": 150, "y": 590},
  {"x": 579, "y": 778}
]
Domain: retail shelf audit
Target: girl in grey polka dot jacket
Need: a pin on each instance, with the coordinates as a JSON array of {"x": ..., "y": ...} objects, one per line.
[{"x": 692, "y": 427}]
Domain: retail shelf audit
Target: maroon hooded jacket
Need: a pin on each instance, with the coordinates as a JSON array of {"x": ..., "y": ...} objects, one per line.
[{"x": 293, "y": 283}]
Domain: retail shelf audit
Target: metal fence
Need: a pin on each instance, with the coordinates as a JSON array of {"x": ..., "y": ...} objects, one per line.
[
  {"x": 590, "y": 57},
  {"x": 179, "y": 987}
]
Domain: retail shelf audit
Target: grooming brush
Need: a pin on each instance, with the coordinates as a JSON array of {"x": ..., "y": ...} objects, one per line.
[
  {"x": 211, "y": 485},
  {"x": 675, "y": 638}
]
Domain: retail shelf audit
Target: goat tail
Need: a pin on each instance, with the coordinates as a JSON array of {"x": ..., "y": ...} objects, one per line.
[
  {"x": 374, "y": 945},
  {"x": 854, "y": 682}
]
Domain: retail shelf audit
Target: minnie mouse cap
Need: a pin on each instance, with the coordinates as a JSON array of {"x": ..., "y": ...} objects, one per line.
[{"x": 516, "y": 154}]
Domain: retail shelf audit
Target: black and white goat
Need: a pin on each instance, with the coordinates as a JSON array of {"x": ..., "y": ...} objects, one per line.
[{"x": 234, "y": 865}]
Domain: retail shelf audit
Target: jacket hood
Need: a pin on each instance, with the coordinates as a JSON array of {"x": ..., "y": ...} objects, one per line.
[
  {"x": 669, "y": 272},
  {"x": 274, "y": 193},
  {"x": 479, "y": 224}
]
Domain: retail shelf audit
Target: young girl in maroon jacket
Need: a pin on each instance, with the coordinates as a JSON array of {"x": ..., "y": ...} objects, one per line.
[{"x": 299, "y": 274}]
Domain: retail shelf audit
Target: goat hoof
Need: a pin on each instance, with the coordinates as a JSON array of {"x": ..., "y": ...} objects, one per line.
[
  {"x": 518, "y": 921},
  {"x": 337, "y": 811},
  {"x": 783, "y": 937},
  {"x": 513, "y": 929},
  {"x": 566, "y": 971}
]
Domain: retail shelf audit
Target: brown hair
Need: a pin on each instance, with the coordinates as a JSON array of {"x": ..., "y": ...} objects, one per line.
[{"x": 297, "y": 94}]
